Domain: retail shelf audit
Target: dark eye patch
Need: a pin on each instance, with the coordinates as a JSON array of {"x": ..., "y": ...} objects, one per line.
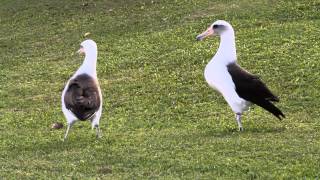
[{"x": 216, "y": 26}]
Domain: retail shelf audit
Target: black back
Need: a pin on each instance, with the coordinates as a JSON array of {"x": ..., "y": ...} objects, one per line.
[
  {"x": 82, "y": 97},
  {"x": 251, "y": 88}
]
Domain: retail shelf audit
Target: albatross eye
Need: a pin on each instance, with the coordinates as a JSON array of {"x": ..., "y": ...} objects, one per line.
[
  {"x": 218, "y": 26},
  {"x": 215, "y": 26}
]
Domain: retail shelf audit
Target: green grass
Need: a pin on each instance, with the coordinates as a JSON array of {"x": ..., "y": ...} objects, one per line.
[{"x": 160, "y": 118}]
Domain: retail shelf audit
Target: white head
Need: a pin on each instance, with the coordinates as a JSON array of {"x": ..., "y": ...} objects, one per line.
[
  {"x": 220, "y": 28},
  {"x": 87, "y": 46}
]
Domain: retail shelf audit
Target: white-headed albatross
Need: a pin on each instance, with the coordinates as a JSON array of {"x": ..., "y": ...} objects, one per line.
[
  {"x": 81, "y": 97},
  {"x": 238, "y": 87}
]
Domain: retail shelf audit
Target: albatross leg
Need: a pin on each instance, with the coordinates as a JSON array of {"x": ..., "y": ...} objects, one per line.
[
  {"x": 98, "y": 133},
  {"x": 95, "y": 122},
  {"x": 68, "y": 129},
  {"x": 238, "y": 119}
]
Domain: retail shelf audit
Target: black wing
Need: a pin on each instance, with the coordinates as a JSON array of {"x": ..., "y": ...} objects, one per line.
[
  {"x": 251, "y": 88},
  {"x": 82, "y": 97}
]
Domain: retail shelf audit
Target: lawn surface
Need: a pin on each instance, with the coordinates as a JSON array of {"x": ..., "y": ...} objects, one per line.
[{"x": 160, "y": 119}]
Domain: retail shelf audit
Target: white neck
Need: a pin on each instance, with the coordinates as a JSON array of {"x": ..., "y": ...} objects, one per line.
[
  {"x": 227, "y": 48},
  {"x": 89, "y": 64}
]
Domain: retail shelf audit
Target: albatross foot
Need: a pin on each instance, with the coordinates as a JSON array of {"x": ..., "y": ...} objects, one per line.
[{"x": 98, "y": 132}]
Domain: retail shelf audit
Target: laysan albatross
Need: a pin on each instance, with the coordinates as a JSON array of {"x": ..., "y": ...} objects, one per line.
[
  {"x": 81, "y": 97},
  {"x": 238, "y": 87}
]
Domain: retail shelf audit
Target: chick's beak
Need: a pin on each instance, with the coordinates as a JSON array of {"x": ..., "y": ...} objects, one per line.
[
  {"x": 81, "y": 50},
  {"x": 207, "y": 33}
]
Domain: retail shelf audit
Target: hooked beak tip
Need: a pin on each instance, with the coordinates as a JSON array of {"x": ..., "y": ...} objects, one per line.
[
  {"x": 207, "y": 33},
  {"x": 199, "y": 38}
]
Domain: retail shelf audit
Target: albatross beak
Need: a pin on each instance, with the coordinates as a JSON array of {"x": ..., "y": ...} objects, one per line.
[
  {"x": 81, "y": 50},
  {"x": 207, "y": 33}
]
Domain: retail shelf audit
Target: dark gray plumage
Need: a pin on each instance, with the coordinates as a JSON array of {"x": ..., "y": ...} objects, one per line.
[
  {"x": 82, "y": 97},
  {"x": 251, "y": 88}
]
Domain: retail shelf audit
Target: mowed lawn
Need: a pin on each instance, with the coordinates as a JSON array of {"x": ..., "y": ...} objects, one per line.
[{"x": 160, "y": 118}]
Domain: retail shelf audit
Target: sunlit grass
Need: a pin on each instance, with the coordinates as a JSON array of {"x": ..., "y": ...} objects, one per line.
[{"x": 160, "y": 119}]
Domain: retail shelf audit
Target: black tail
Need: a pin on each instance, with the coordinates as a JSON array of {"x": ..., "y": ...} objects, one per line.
[{"x": 267, "y": 105}]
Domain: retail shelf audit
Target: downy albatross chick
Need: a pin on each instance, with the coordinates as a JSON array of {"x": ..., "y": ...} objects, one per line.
[
  {"x": 238, "y": 87},
  {"x": 81, "y": 97}
]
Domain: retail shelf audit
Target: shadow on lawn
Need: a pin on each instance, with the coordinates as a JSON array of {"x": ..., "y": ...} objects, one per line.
[
  {"x": 234, "y": 131},
  {"x": 71, "y": 144}
]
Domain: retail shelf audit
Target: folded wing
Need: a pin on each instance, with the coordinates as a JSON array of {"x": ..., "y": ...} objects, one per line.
[{"x": 251, "y": 88}]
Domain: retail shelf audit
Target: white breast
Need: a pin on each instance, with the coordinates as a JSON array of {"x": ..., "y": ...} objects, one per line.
[{"x": 218, "y": 77}]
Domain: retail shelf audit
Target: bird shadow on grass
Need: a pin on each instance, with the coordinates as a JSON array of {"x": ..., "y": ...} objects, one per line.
[
  {"x": 229, "y": 132},
  {"x": 52, "y": 146},
  {"x": 265, "y": 130},
  {"x": 77, "y": 142}
]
